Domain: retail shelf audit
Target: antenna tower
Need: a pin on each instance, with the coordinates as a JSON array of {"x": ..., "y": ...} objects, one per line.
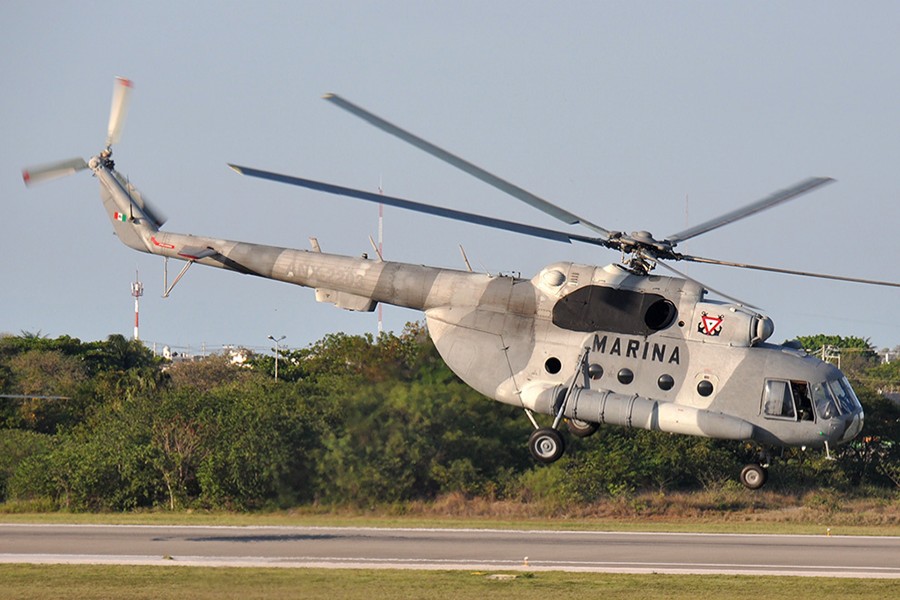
[{"x": 137, "y": 290}]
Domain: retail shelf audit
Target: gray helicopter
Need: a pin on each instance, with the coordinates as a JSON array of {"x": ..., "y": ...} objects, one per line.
[{"x": 587, "y": 345}]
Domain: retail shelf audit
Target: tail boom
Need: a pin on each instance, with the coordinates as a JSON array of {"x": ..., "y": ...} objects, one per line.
[{"x": 349, "y": 280}]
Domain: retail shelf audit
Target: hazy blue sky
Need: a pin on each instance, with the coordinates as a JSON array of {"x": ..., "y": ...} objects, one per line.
[{"x": 637, "y": 115}]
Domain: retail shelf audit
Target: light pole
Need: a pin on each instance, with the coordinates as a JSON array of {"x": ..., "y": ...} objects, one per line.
[{"x": 276, "y": 353}]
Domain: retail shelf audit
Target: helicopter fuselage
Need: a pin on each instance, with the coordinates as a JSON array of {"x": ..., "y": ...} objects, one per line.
[{"x": 595, "y": 344}]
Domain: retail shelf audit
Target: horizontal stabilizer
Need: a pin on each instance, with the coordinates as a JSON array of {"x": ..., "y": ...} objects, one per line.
[
  {"x": 196, "y": 252},
  {"x": 345, "y": 300}
]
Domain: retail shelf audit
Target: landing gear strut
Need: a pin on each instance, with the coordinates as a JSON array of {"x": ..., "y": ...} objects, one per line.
[{"x": 547, "y": 444}]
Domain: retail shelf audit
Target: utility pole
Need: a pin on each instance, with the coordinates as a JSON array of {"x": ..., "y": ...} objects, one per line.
[{"x": 276, "y": 353}]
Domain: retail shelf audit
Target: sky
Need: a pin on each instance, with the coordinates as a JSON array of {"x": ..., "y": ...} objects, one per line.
[{"x": 638, "y": 115}]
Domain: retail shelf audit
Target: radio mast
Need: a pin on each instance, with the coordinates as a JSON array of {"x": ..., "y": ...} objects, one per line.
[{"x": 137, "y": 290}]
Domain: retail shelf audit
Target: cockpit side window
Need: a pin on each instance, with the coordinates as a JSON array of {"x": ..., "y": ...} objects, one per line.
[
  {"x": 800, "y": 390},
  {"x": 778, "y": 401},
  {"x": 788, "y": 400}
]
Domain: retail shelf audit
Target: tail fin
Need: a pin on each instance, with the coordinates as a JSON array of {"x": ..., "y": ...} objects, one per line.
[{"x": 133, "y": 218}]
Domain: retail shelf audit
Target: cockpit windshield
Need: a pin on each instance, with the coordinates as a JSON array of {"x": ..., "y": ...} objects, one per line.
[
  {"x": 796, "y": 400},
  {"x": 824, "y": 401},
  {"x": 835, "y": 397},
  {"x": 847, "y": 401}
]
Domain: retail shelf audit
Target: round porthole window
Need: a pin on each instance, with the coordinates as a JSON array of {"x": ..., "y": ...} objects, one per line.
[
  {"x": 552, "y": 365},
  {"x": 665, "y": 382},
  {"x": 595, "y": 371},
  {"x": 625, "y": 376},
  {"x": 705, "y": 388}
]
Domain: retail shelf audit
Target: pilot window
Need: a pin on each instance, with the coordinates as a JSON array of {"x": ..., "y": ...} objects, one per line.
[
  {"x": 800, "y": 390},
  {"x": 788, "y": 400}
]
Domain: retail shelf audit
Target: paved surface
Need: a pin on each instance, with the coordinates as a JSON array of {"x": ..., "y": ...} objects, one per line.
[{"x": 471, "y": 549}]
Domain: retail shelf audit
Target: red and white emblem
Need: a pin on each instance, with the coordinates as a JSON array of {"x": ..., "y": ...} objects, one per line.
[{"x": 710, "y": 325}]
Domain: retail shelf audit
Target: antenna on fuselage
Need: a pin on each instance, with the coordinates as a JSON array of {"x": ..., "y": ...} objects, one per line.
[{"x": 380, "y": 251}]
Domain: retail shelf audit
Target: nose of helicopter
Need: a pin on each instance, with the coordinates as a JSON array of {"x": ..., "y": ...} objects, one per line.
[{"x": 854, "y": 424}]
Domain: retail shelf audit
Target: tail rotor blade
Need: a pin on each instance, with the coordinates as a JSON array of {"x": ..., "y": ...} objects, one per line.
[
  {"x": 119, "y": 109},
  {"x": 142, "y": 203},
  {"x": 53, "y": 170},
  {"x": 158, "y": 217}
]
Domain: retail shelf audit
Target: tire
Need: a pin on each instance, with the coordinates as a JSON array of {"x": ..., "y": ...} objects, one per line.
[
  {"x": 754, "y": 476},
  {"x": 546, "y": 445},
  {"x": 580, "y": 428}
]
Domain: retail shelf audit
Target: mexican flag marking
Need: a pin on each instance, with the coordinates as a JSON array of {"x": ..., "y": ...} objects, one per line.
[{"x": 120, "y": 217}]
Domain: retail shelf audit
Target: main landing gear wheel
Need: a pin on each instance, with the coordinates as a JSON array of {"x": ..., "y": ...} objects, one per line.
[
  {"x": 754, "y": 476},
  {"x": 546, "y": 445},
  {"x": 581, "y": 429}
]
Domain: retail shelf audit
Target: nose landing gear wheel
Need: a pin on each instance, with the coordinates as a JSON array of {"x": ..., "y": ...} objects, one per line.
[
  {"x": 754, "y": 476},
  {"x": 546, "y": 445}
]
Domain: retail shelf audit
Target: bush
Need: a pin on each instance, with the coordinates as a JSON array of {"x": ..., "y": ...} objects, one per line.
[{"x": 16, "y": 447}]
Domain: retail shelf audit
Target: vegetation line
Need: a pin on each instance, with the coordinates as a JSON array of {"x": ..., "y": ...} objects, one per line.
[{"x": 359, "y": 428}]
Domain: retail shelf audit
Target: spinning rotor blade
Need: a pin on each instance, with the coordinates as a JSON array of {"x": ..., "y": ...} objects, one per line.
[
  {"x": 53, "y": 170},
  {"x": 467, "y": 167},
  {"x": 760, "y": 205},
  {"x": 155, "y": 215},
  {"x": 711, "y": 289},
  {"x": 712, "y": 261},
  {"x": 448, "y": 213},
  {"x": 119, "y": 109}
]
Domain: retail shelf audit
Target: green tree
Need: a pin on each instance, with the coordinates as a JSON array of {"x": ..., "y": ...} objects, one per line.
[
  {"x": 49, "y": 381},
  {"x": 207, "y": 374},
  {"x": 117, "y": 354},
  {"x": 874, "y": 456},
  {"x": 15, "y": 447},
  {"x": 260, "y": 446},
  {"x": 855, "y": 353}
]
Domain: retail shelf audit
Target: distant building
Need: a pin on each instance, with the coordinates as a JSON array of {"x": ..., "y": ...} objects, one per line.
[{"x": 238, "y": 355}]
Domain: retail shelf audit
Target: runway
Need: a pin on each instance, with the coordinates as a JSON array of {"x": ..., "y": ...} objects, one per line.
[{"x": 469, "y": 549}]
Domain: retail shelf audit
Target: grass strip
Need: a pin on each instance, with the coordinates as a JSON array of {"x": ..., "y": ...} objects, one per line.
[{"x": 126, "y": 582}]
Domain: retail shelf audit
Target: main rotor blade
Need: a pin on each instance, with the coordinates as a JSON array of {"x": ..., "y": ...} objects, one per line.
[
  {"x": 760, "y": 205},
  {"x": 53, "y": 170},
  {"x": 711, "y": 289},
  {"x": 712, "y": 261},
  {"x": 464, "y": 165},
  {"x": 118, "y": 110},
  {"x": 549, "y": 234}
]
